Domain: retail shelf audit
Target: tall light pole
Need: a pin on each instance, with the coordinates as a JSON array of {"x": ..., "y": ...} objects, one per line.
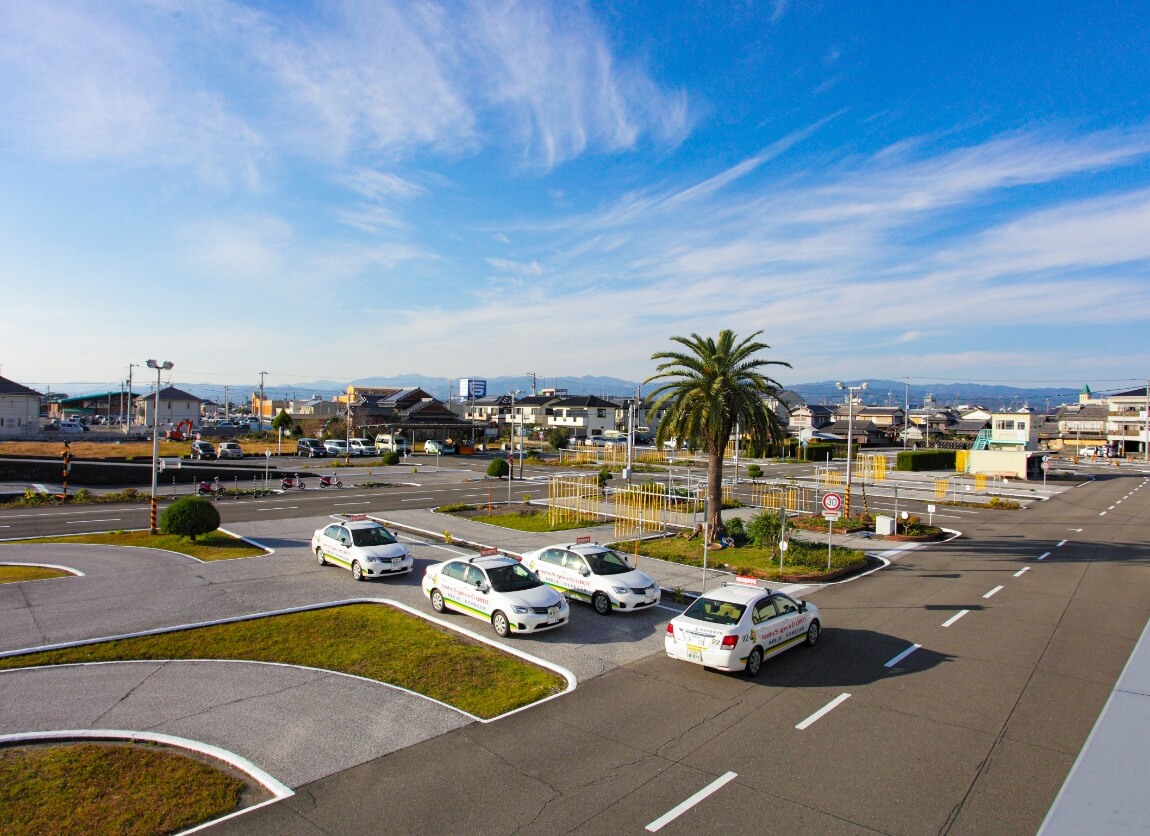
[
  {"x": 511, "y": 457},
  {"x": 128, "y": 411},
  {"x": 850, "y": 390},
  {"x": 160, "y": 369}
]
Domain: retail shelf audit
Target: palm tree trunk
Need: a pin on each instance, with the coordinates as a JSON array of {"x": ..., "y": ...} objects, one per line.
[{"x": 714, "y": 494}]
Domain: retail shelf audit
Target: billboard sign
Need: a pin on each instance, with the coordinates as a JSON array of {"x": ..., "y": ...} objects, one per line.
[{"x": 470, "y": 388}]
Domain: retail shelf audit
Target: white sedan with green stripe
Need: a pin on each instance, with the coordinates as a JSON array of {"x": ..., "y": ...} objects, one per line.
[
  {"x": 736, "y": 626},
  {"x": 498, "y": 590},
  {"x": 595, "y": 574},
  {"x": 362, "y": 545}
]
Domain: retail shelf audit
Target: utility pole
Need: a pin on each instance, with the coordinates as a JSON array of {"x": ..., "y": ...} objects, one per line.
[
  {"x": 532, "y": 383},
  {"x": 225, "y": 402},
  {"x": 261, "y": 415},
  {"x": 906, "y": 414},
  {"x": 1146, "y": 438},
  {"x": 128, "y": 422}
]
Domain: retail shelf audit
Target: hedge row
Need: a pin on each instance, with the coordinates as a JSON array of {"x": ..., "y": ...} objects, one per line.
[{"x": 926, "y": 460}]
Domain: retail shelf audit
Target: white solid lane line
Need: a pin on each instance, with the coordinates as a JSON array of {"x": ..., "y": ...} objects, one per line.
[
  {"x": 822, "y": 712},
  {"x": 1061, "y": 544},
  {"x": 1044, "y": 555},
  {"x": 993, "y": 592},
  {"x": 85, "y": 522},
  {"x": 1022, "y": 571},
  {"x": 902, "y": 656},
  {"x": 679, "y": 809},
  {"x": 417, "y": 499},
  {"x": 954, "y": 618},
  {"x": 280, "y": 508},
  {"x": 337, "y": 504}
]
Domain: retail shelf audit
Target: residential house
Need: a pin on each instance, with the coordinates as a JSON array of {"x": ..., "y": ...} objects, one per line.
[
  {"x": 175, "y": 407},
  {"x": 810, "y": 417},
  {"x": 1126, "y": 430},
  {"x": 19, "y": 409}
]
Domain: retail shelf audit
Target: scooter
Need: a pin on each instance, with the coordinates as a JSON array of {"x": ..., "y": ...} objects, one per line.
[
  {"x": 290, "y": 482},
  {"x": 330, "y": 482},
  {"x": 213, "y": 488}
]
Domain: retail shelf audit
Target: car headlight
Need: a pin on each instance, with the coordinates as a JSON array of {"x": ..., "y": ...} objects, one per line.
[
  {"x": 621, "y": 590},
  {"x": 521, "y": 610},
  {"x": 373, "y": 559}
]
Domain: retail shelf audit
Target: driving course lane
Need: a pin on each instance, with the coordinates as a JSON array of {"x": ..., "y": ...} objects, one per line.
[{"x": 972, "y": 731}]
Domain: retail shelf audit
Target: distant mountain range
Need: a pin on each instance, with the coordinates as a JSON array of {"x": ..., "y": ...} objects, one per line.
[{"x": 880, "y": 392}]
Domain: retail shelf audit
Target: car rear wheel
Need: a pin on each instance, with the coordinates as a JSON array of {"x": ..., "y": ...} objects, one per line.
[
  {"x": 357, "y": 571},
  {"x": 754, "y": 663},
  {"x": 813, "y": 634},
  {"x": 319, "y": 556},
  {"x": 501, "y": 624},
  {"x": 601, "y": 603},
  {"x": 437, "y": 603}
]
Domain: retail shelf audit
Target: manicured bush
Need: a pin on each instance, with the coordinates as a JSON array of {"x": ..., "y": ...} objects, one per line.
[
  {"x": 916, "y": 460},
  {"x": 390, "y": 457},
  {"x": 754, "y": 471},
  {"x": 498, "y": 468},
  {"x": 190, "y": 517},
  {"x": 818, "y": 451}
]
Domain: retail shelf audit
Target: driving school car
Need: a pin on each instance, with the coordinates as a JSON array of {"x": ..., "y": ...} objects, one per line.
[
  {"x": 496, "y": 589},
  {"x": 595, "y": 574},
  {"x": 737, "y": 626},
  {"x": 362, "y": 545}
]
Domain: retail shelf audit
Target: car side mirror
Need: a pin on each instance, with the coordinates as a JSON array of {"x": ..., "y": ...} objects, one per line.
[
  {"x": 802, "y": 606},
  {"x": 584, "y": 571},
  {"x": 481, "y": 586}
]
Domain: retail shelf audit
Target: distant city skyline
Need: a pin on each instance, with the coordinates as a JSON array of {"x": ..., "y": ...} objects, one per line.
[{"x": 954, "y": 192}]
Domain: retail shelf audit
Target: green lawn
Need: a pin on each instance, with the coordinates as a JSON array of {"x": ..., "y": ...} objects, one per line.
[
  {"x": 16, "y": 574},
  {"x": 375, "y": 641},
  {"x": 83, "y": 788},
  {"x": 526, "y": 520},
  {"x": 214, "y": 546},
  {"x": 806, "y": 560}
]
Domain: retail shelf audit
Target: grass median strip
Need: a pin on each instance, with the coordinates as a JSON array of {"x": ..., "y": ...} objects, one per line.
[
  {"x": 16, "y": 574},
  {"x": 109, "y": 788},
  {"x": 214, "y": 546},
  {"x": 374, "y": 641}
]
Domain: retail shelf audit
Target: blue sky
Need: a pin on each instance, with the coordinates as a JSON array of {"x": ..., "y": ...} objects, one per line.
[{"x": 949, "y": 192}]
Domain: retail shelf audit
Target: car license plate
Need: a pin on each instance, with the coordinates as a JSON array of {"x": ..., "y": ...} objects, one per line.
[
  {"x": 397, "y": 563},
  {"x": 694, "y": 653},
  {"x": 650, "y": 595},
  {"x": 552, "y": 615}
]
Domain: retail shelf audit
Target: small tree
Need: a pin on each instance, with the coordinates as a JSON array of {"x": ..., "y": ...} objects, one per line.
[
  {"x": 556, "y": 438},
  {"x": 603, "y": 477},
  {"x": 390, "y": 457},
  {"x": 754, "y": 471},
  {"x": 498, "y": 468},
  {"x": 190, "y": 517},
  {"x": 283, "y": 421}
]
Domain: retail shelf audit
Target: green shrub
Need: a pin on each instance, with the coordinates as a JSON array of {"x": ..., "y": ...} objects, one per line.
[
  {"x": 498, "y": 468},
  {"x": 763, "y": 529},
  {"x": 754, "y": 471},
  {"x": 736, "y": 529},
  {"x": 603, "y": 476},
  {"x": 556, "y": 438},
  {"x": 818, "y": 452},
  {"x": 391, "y": 457},
  {"x": 190, "y": 517},
  {"x": 457, "y": 506},
  {"x": 82, "y": 495},
  {"x": 916, "y": 460},
  {"x": 1003, "y": 504}
]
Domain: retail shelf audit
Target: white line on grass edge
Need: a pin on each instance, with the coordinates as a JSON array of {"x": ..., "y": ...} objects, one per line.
[
  {"x": 45, "y": 566},
  {"x": 278, "y": 789},
  {"x": 572, "y": 680}
]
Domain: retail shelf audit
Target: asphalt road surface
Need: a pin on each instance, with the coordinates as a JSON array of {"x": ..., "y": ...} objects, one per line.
[{"x": 950, "y": 694}]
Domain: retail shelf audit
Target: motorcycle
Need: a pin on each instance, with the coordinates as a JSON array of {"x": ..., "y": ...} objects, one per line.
[
  {"x": 290, "y": 482},
  {"x": 330, "y": 482},
  {"x": 213, "y": 489}
]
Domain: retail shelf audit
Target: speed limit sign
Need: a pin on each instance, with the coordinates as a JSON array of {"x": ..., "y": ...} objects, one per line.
[{"x": 832, "y": 502}]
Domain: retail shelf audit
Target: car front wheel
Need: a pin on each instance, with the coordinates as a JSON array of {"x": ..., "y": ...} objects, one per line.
[
  {"x": 501, "y": 624},
  {"x": 357, "y": 571},
  {"x": 601, "y": 603},
  {"x": 319, "y": 556},
  {"x": 813, "y": 634},
  {"x": 437, "y": 603},
  {"x": 754, "y": 663}
]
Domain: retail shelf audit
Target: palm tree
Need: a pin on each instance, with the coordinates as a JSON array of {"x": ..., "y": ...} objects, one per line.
[{"x": 709, "y": 388}]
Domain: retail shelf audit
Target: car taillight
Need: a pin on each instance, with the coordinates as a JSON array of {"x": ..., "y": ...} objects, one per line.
[
  {"x": 670, "y": 629},
  {"x": 730, "y": 641}
]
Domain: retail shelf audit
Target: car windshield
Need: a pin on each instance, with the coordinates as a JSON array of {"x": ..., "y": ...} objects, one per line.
[
  {"x": 512, "y": 578},
  {"x": 715, "y": 612},
  {"x": 606, "y": 563},
  {"x": 371, "y": 537}
]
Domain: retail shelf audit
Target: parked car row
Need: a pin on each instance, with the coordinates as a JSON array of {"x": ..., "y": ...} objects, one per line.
[{"x": 224, "y": 450}]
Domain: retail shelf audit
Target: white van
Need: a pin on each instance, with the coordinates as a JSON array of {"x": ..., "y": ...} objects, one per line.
[
  {"x": 71, "y": 428},
  {"x": 396, "y": 442}
]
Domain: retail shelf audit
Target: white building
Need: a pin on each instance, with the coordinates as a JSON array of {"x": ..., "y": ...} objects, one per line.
[{"x": 19, "y": 409}]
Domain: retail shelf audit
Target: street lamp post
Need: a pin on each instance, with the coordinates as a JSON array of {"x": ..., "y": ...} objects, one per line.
[
  {"x": 160, "y": 369},
  {"x": 850, "y": 390}
]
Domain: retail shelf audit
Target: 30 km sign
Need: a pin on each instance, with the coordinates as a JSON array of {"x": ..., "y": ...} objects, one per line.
[{"x": 832, "y": 502}]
